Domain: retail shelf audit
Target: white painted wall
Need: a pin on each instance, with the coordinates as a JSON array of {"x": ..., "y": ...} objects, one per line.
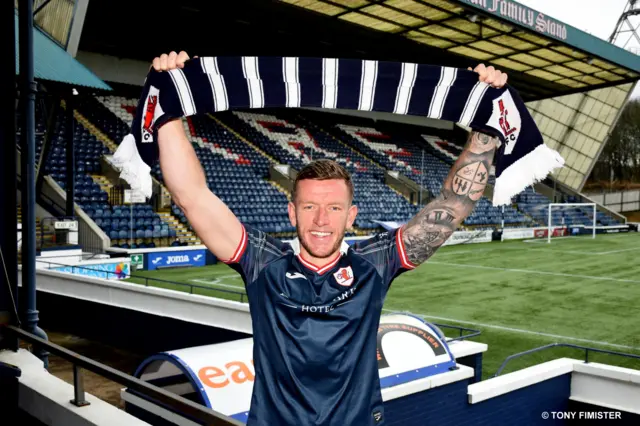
[
  {"x": 46, "y": 397},
  {"x": 621, "y": 201},
  {"x": 60, "y": 257},
  {"x": 607, "y": 386},
  {"x": 112, "y": 68},
  {"x": 180, "y": 305}
]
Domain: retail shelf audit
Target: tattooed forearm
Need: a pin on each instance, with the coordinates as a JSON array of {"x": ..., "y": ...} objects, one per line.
[{"x": 461, "y": 190}]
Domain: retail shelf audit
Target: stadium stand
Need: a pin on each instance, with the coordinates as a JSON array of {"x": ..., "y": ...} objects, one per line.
[
  {"x": 237, "y": 174},
  {"x": 291, "y": 140},
  {"x": 110, "y": 115},
  {"x": 236, "y": 149},
  {"x": 402, "y": 149},
  {"x": 449, "y": 150},
  {"x": 122, "y": 223}
]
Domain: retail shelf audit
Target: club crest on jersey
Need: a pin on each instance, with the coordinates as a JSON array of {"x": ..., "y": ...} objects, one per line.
[{"x": 344, "y": 276}]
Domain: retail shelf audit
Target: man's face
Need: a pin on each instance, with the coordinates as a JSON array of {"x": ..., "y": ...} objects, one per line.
[{"x": 321, "y": 213}]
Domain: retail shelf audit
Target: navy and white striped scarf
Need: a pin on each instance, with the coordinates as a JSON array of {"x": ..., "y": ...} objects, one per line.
[{"x": 210, "y": 84}]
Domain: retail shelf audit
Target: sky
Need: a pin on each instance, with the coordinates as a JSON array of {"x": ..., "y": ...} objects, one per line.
[{"x": 596, "y": 17}]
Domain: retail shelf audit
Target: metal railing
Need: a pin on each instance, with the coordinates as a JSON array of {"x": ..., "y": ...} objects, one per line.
[
  {"x": 88, "y": 237},
  {"x": 563, "y": 345},
  {"x": 176, "y": 402},
  {"x": 473, "y": 333},
  {"x": 190, "y": 288}
]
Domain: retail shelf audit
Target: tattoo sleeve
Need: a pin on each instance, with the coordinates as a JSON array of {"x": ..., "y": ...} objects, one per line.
[{"x": 462, "y": 189}]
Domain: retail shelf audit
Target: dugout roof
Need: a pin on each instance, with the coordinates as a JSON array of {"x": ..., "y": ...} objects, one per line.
[{"x": 52, "y": 63}]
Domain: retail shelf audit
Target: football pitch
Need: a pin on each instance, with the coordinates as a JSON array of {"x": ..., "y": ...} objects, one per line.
[{"x": 519, "y": 294}]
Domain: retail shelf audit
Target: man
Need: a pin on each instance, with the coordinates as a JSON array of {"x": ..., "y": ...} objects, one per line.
[{"x": 316, "y": 303}]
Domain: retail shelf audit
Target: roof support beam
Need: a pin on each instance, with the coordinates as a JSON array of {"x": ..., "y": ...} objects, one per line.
[
  {"x": 77, "y": 22},
  {"x": 42, "y": 6}
]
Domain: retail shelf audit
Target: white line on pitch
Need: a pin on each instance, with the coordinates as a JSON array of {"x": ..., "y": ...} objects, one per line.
[
  {"x": 471, "y": 250},
  {"x": 619, "y": 251},
  {"x": 514, "y": 248},
  {"x": 522, "y": 248},
  {"x": 216, "y": 278},
  {"x": 216, "y": 283},
  {"x": 519, "y": 330},
  {"x": 528, "y": 271},
  {"x": 592, "y": 253}
]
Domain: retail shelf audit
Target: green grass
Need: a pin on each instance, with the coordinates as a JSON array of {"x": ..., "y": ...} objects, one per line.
[
  {"x": 215, "y": 281},
  {"x": 575, "y": 288}
]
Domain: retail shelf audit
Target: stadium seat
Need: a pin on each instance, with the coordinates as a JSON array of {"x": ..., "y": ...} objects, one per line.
[{"x": 237, "y": 171}]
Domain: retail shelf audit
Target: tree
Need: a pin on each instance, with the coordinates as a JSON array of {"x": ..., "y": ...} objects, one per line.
[{"x": 619, "y": 162}]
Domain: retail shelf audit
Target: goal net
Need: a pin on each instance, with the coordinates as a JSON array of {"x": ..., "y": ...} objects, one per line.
[{"x": 570, "y": 219}]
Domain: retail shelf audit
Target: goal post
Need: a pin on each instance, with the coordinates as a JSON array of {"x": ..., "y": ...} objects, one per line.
[{"x": 550, "y": 225}]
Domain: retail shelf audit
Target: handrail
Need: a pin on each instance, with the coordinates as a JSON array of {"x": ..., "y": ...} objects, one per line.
[
  {"x": 562, "y": 345},
  {"x": 47, "y": 202},
  {"x": 473, "y": 333},
  {"x": 147, "y": 279},
  {"x": 180, "y": 404}
]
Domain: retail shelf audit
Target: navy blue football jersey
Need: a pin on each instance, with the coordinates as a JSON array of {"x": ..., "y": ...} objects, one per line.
[{"x": 315, "y": 328}]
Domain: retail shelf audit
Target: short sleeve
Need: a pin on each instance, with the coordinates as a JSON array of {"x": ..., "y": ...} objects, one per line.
[
  {"x": 255, "y": 250},
  {"x": 387, "y": 253}
]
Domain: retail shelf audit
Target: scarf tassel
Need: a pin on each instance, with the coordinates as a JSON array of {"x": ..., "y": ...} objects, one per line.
[{"x": 532, "y": 168}]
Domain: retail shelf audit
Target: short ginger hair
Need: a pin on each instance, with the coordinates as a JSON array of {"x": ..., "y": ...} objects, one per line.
[{"x": 323, "y": 169}]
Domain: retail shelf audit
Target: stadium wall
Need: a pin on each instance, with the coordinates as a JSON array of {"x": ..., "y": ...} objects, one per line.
[
  {"x": 549, "y": 393},
  {"x": 447, "y": 405},
  {"x": 620, "y": 201},
  {"x": 113, "y": 69},
  {"x": 126, "y": 329}
]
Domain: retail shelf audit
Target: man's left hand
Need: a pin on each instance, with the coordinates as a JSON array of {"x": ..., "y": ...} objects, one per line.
[{"x": 490, "y": 75}]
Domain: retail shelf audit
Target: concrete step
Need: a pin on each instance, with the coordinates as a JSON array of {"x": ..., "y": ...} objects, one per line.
[
  {"x": 104, "y": 184},
  {"x": 102, "y": 137},
  {"x": 280, "y": 188},
  {"x": 239, "y": 136},
  {"x": 182, "y": 232}
]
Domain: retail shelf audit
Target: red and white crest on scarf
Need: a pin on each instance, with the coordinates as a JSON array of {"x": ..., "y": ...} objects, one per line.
[{"x": 344, "y": 276}]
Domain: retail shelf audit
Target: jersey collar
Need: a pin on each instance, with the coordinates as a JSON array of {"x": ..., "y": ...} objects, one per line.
[{"x": 295, "y": 245}]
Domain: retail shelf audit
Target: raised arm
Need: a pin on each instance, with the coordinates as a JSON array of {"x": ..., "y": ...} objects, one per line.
[
  {"x": 214, "y": 223},
  {"x": 462, "y": 189}
]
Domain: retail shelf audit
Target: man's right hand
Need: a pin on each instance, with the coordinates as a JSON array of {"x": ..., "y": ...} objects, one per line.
[{"x": 171, "y": 61}]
